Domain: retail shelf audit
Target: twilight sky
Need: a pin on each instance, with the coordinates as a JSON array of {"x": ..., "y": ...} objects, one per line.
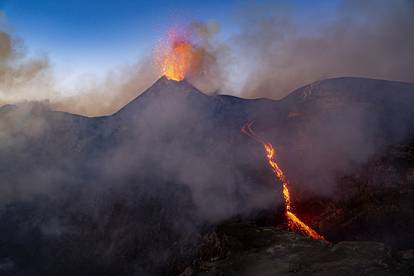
[
  {"x": 98, "y": 35},
  {"x": 93, "y": 56}
]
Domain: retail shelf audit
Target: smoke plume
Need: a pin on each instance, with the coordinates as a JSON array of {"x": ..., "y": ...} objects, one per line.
[
  {"x": 286, "y": 50},
  {"x": 21, "y": 77}
]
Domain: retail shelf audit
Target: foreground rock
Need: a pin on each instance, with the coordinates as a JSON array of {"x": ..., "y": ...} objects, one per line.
[
  {"x": 375, "y": 203},
  {"x": 246, "y": 249}
]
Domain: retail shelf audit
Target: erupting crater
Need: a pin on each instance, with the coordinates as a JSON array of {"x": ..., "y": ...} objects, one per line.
[{"x": 177, "y": 56}]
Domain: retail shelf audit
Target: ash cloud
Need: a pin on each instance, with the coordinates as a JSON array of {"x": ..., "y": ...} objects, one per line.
[
  {"x": 211, "y": 74},
  {"x": 21, "y": 77},
  {"x": 287, "y": 50}
]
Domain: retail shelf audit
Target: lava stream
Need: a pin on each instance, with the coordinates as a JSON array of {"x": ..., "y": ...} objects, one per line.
[{"x": 294, "y": 223}]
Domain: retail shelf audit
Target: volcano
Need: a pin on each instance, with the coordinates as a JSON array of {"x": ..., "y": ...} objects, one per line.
[{"x": 131, "y": 193}]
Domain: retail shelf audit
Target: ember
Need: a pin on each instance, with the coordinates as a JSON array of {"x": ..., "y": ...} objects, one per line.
[{"x": 177, "y": 56}]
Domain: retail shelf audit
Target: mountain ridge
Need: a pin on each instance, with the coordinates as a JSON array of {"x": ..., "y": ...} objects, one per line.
[{"x": 186, "y": 87}]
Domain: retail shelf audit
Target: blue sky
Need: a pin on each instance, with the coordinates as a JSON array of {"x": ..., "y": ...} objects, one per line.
[
  {"x": 94, "y": 36},
  {"x": 106, "y": 32}
]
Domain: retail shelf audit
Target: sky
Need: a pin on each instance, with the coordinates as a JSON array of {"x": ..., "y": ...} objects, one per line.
[
  {"x": 99, "y": 35},
  {"x": 92, "y": 37}
]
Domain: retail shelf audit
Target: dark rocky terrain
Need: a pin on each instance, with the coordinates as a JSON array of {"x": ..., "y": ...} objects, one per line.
[
  {"x": 369, "y": 223},
  {"x": 376, "y": 201},
  {"x": 248, "y": 249},
  {"x": 133, "y": 193}
]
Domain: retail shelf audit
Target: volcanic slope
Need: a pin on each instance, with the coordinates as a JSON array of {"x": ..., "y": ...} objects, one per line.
[{"x": 107, "y": 195}]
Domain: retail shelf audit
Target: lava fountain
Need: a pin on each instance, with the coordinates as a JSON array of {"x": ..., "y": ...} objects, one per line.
[
  {"x": 294, "y": 223},
  {"x": 177, "y": 56}
]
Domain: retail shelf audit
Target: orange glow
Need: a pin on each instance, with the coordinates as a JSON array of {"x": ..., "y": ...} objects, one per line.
[
  {"x": 177, "y": 57},
  {"x": 294, "y": 223}
]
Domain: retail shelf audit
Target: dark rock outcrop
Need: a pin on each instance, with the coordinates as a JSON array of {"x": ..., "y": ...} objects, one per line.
[
  {"x": 376, "y": 202},
  {"x": 246, "y": 249}
]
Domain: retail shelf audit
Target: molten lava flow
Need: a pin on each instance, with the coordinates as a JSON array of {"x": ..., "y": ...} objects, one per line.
[
  {"x": 177, "y": 57},
  {"x": 294, "y": 223}
]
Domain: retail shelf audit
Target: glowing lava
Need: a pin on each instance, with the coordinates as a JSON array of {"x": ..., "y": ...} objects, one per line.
[
  {"x": 294, "y": 223},
  {"x": 177, "y": 56}
]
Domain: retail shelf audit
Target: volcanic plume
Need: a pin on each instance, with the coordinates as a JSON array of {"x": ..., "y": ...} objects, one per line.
[
  {"x": 294, "y": 223},
  {"x": 177, "y": 56}
]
